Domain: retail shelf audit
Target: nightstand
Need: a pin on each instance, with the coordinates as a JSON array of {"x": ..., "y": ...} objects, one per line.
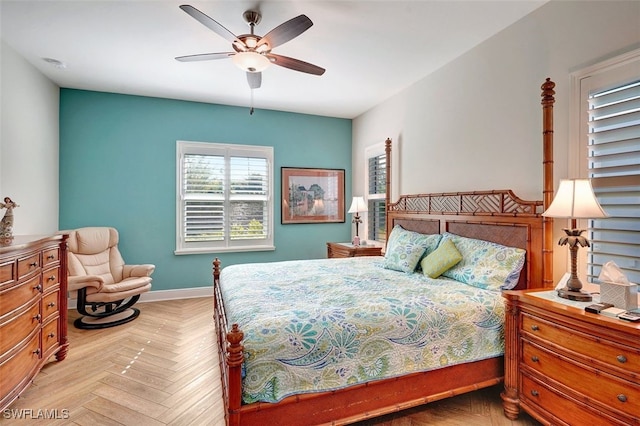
[
  {"x": 349, "y": 250},
  {"x": 565, "y": 366}
]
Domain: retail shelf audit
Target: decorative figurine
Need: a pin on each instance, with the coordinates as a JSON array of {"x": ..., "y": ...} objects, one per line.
[{"x": 6, "y": 224}]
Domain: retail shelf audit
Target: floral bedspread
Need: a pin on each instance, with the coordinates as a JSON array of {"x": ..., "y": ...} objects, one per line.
[{"x": 323, "y": 324}]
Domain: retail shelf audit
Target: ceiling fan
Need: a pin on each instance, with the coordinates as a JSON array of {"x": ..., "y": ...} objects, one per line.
[{"x": 252, "y": 53}]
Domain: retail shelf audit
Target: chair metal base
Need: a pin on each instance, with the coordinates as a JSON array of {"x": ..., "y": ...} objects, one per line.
[
  {"x": 93, "y": 323},
  {"x": 104, "y": 314}
]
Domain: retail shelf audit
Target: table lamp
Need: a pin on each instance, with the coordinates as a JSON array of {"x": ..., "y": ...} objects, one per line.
[
  {"x": 357, "y": 205},
  {"x": 574, "y": 200}
]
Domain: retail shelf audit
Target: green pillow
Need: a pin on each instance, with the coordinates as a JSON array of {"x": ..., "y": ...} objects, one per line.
[{"x": 441, "y": 259}]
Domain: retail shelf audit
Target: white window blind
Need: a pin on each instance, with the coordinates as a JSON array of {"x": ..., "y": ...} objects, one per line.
[
  {"x": 377, "y": 178},
  {"x": 614, "y": 167},
  {"x": 224, "y": 197}
]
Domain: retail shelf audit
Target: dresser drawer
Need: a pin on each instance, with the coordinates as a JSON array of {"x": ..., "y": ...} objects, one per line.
[
  {"x": 595, "y": 385},
  {"x": 28, "y": 265},
  {"x": 18, "y": 368},
  {"x": 540, "y": 396},
  {"x": 602, "y": 351},
  {"x": 50, "y": 256},
  {"x": 7, "y": 272},
  {"x": 50, "y": 305},
  {"x": 17, "y": 328},
  {"x": 18, "y": 295},
  {"x": 50, "y": 336},
  {"x": 50, "y": 277}
]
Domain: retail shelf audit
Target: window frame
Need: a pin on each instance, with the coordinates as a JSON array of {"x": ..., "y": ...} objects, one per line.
[
  {"x": 372, "y": 152},
  {"x": 225, "y": 245},
  {"x": 611, "y": 72}
]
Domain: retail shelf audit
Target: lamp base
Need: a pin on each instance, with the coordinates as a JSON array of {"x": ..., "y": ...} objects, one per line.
[{"x": 578, "y": 295}]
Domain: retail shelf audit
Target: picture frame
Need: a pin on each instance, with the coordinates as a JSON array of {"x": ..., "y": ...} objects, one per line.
[{"x": 312, "y": 195}]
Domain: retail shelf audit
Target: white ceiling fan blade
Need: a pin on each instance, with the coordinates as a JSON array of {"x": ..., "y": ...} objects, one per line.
[
  {"x": 286, "y": 31},
  {"x": 295, "y": 64},
  {"x": 205, "y": 57},
  {"x": 210, "y": 23}
]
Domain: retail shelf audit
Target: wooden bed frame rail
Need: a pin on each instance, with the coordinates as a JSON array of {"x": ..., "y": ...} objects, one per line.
[{"x": 496, "y": 215}]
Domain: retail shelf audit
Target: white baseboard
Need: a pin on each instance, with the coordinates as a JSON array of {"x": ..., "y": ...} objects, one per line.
[{"x": 160, "y": 295}]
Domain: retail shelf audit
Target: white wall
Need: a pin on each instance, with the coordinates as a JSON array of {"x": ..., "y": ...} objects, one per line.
[
  {"x": 28, "y": 144},
  {"x": 476, "y": 123}
]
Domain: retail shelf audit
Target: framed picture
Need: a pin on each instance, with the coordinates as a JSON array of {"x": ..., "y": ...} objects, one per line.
[{"x": 312, "y": 195}]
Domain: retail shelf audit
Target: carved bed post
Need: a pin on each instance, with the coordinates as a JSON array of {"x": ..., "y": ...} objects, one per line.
[
  {"x": 216, "y": 280},
  {"x": 510, "y": 397},
  {"x": 230, "y": 351},
  {"x": 547, "y": 160},
  {"x": 235, "y": 358},
  {"x": 387, "y": 189}
]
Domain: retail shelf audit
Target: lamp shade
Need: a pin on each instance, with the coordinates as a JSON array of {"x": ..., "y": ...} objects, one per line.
[
  {"x": 575, "y": 200},
  {"x": 358, "y": 205},
  {"x": 251, "y": 61}
]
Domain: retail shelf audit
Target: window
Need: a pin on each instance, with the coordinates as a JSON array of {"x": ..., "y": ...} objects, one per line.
[
  {"x": 376, "y": 183},
  {"x": 610, "y": 100},
  {"x": 224, "y": 198}
]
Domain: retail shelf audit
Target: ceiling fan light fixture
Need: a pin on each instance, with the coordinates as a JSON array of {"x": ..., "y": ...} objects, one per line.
[
  {"x": 263, "y": 48},
  {"x": 251, "y": 42},
  {"x": 239, "y": 46},
  {"x": 251, "y": 61}
]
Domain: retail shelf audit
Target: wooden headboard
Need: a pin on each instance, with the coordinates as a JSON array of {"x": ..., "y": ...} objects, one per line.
[
  {"x": 497, "y": 215},
  {"x": 521, "y": 229}
]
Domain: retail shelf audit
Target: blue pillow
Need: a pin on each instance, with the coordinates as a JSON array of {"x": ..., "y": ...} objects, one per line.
[
  {"x": 485, "y": 264},
  {"x": 405, "y": 249}
]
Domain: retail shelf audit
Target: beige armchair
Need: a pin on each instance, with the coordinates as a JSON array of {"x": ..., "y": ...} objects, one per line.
[{"x": 104, "y": 286}]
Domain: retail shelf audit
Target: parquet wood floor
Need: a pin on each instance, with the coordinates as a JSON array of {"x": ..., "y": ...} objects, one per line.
[{"x": 162, "y": 369}]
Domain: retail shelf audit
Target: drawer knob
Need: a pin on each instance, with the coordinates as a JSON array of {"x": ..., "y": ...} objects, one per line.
[
  {"x": 37, "y": 352},
  {"x": 51, "y": 304},
  {"x": 52, "y": 335},
  {"x": 37, "y": 317},
  {"x": 51, "y": 257},
  {"x": 38, "y": 287},
  {"x": 535, "y": 358},
  {"x": 535, "y": 327},
  {"x": 622, "y": 398},
  {"x": 33, "y": 264},
  {"x": 51, "y": 278},
  {"x": 534, "y": 392},
  {"x": 621, "y": 359}
]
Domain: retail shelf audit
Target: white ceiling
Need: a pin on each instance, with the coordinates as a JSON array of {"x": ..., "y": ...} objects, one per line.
[{"x": 370, "y": 49}]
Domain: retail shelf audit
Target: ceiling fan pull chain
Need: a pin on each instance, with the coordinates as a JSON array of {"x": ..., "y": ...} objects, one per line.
[{"x": 251, "y": 106}]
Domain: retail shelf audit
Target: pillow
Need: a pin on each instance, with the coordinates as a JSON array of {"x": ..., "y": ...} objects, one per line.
[
  {"x": 441, "y": 259},
  {"x": 485, "y": 264},
  {"x": 405, "y": 249}
]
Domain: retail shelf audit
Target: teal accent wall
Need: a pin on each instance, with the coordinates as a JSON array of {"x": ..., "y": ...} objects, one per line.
[{"x": 118, "y": 168}]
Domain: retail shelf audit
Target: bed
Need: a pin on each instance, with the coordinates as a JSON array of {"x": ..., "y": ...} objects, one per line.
[{"x": 348, "y": 363}]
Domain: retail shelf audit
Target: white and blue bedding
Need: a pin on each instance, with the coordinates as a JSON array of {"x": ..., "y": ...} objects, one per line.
[{"x": 318, "y": 325}]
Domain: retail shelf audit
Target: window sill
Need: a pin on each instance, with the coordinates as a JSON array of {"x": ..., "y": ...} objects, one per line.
[{"x": 205, "y": 250}]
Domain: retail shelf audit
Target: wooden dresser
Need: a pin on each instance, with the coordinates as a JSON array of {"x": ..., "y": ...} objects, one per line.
[
  {"x": 349, "y": 250},
  {"x": 565, "y": 366},
  {"x": 33, "y": 310}
]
